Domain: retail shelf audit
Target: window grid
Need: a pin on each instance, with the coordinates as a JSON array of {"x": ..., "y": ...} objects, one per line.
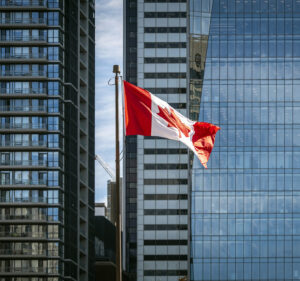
[{"x": 245, "y": 219}]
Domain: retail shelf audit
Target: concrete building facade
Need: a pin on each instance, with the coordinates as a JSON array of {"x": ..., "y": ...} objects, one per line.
[{"x": 156, "y": 170}]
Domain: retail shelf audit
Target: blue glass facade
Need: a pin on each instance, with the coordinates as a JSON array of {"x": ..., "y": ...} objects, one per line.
[{"x": 245, "y": 208}]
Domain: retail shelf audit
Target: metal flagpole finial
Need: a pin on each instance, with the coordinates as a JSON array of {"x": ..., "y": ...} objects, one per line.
[{"x": 116, "y": 69}]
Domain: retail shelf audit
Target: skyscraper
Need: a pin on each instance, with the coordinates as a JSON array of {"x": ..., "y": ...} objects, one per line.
[
  {"x": 156, "y": 170},
  {"x": 242, "y": 73},
  {"x": 245, "y": 221},
  {"x": 47, "y": 95}
]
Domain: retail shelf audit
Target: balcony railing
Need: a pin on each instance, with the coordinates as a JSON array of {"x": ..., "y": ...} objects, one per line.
[
  {"x": 29, "y": 252},
  {"x": 23, "y": 126},
  {"x": 23, "y": 56},
  {"x": 25, "y": 108},
  {"x": 27, "y": 3},
  {"x": 7, "y": 91},
  {"x": 23, "y": 73},
  {"x": 27, "y": 234},
  {"x": 30, "y": 200},
  {"x": 23, "y": 2},
  {"x": 24, "y": 182},
  {"x": 29, "y": 143},
  {"x": 23, "y": 21},
  {"x": 23, "y": 269},
  {"x": 23, "y": 163},
  {"x": 23, "y": 143},
  {"x": 41, "y": 163},
  {"x": 39, "y": 217},
  {"x": 23, "y": 38},
  {"x": 17, "y": 38}
]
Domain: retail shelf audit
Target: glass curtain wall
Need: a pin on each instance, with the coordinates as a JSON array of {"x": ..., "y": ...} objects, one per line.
[{"x": 245, "y": 216}]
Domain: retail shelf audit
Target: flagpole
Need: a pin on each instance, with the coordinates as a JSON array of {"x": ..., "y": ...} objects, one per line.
[{"x": 116, "y": 70}]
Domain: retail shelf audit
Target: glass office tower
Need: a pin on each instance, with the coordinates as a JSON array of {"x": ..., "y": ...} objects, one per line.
[
  {"x": 245, "y": 216},
  {"x": 46, "y": 140}
]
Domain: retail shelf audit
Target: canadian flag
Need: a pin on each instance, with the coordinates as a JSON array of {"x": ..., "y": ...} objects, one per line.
[{"x": 147, "y": 115}]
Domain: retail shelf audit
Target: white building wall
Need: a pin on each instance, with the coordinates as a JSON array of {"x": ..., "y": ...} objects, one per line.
[{"x": 161, "y": 223}]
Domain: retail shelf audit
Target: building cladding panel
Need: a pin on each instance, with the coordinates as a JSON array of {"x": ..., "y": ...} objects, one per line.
[
  {"x": 130, "y": 165},
  {"x": 245, "y": 222},
  {"x": 159, "y": 220},
  {"x": 47, "y": 164}
]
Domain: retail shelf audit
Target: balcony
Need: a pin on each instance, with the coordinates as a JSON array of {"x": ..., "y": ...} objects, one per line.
[
  {"x": 25, "y": 144},
  {"x": 84, "y": 8},
  {"x": 23, "y": 38},
  {"x": 41, "y": 163},
  {"x": 5, "y": 21},
  {"x": 23, "y": 182},
  {"x": 84, "y": 25},
  {"x": 31, "y": 163},
  {"x": 20, "y": 3},
  {"x": 15, "y": 108},
  {"x": 7, "y": 126},
  {"x": 29, "y": 252},
  {"x": 38, "y": 217},
  {"x": 24, "y": 56},
  {"x": 30, "y": 38},
  {"x": 30, "y": 200},
  {"x": 34, "y": 144},
  {"x": 83, "y": 231},
  {"x": 28, "y": 234},
  {"x": 36, "y": 270},
  {"x": 30, "y": 3},
  {"x": 25, "y": 91},
  {"x": 10, "y": 73}
]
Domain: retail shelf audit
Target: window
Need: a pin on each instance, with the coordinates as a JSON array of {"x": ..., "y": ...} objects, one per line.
[
  {"x": 165, "y": 257},
  {"x": 159, "y": 75},
  {"x": 165, "y": 227},
  {"x": 164, "y": 60},
  {"x": 53, "y": 123},
  {"x": 53, "y": 70},
  {"x": 165, "y": 29},
  {"x": 165, "y": 166},
  {"x": 168, "y": 242},
  {"x": 165, "y": 14},
  {"x": 167, "y": 90},
  {"x": 164, "y": 212},
  {"x": 53, "y": 18},
  {"x": 165, "y": 196},
  {"x": 165, "y": 272},
  {"x": 165, "y": 151},
  {"x": 165, "y": 181},
  {"x": 165, "y": 45},
  {"x": 53, "y": 36}
]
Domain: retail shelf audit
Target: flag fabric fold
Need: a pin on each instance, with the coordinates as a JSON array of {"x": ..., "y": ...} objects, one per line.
[{"x": 147, "y": 115}]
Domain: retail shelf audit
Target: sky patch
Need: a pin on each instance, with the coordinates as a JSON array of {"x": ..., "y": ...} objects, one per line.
[{"x": 109, "y": 51}]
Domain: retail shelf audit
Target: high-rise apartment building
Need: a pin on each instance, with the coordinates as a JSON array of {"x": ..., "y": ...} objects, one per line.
[
  {"x": 47, "y": 96},
  {"x": 245, "y": 221},
  {"x": 156, "y": 170}
]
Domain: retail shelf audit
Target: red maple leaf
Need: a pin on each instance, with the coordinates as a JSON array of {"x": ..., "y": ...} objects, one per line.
[{"x": 174, "y": 121}]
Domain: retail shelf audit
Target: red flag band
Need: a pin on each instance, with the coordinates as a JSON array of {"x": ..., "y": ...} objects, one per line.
[{"x": 147, "y": 115}]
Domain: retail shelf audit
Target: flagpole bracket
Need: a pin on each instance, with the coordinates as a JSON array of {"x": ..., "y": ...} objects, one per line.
[{"x": 109, "y": 83}]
